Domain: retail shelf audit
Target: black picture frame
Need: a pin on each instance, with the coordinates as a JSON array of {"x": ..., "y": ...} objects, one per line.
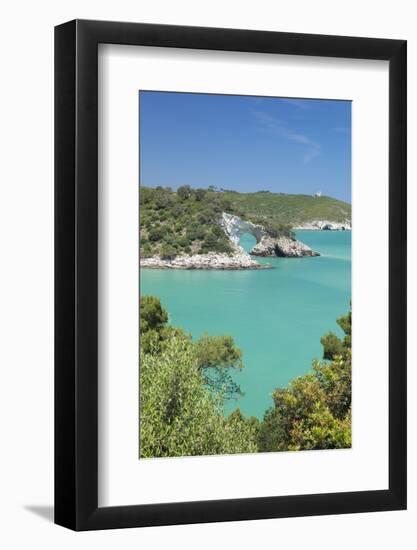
[{"x": 76, "y": 272}]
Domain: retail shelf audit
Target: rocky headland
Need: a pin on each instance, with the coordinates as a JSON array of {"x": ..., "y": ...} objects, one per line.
[{"x": 234, "y": 227}]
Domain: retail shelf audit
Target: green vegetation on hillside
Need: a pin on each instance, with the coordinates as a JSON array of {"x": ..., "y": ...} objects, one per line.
[
  {"x": 288, "y": 209},
  {"x": 187, "y": 221},
  {"x": 184, "y": 384}
]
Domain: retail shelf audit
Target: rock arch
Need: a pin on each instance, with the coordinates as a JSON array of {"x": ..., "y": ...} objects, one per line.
[
  {"x": 281, "y": 246},
  {"x": 234, "y": 228}
]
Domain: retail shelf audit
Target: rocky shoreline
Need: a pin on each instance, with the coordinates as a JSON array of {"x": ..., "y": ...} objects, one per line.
[
  {"x": 325, "y": 225},
  {"x": 212, "y": 260}
]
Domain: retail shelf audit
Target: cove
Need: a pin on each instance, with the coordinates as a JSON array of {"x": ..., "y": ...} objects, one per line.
[{"x": 276, "y": 316}]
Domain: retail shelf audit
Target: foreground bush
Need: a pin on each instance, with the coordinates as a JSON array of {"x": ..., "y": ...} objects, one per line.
[{"x": 179, "y": 415}]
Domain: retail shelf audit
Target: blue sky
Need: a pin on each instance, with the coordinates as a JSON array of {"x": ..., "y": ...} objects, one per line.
[{"x": 246, "y": 143}]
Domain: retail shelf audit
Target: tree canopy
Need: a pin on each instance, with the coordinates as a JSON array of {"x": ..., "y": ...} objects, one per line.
[
  {"x": 182, "y": 222},
  {"x": 179, "y": 415},
  {"x": 216, "y": 357}
]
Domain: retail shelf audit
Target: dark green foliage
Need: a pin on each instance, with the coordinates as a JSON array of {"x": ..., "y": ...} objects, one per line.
[
  {"x": 146, "y": 251},
  {"x": 154, "y": 328},
  {"x": 217, "y": 231},
  {"x": 188, "y": 220},
  {"x": 184, "y": 192},
  {"x": 336, "y": 381},
  {"x": 156, "y": 234},
  {"x": 200, "y": 194},
  {"x": 152, "y": 314},
  {"x": 275, "y": 229},
  {"x": 216, "y": 356},
  {"x": 334, "y": 346},
  {"x": 214, "y": 243},
  {"x": 168, "y": 252},
  {"x": 271, "y": 432},
  {"x": 163, "y": 200},
  {"x": 195, "y": 231},
  {"x": 345, "y": 323}
]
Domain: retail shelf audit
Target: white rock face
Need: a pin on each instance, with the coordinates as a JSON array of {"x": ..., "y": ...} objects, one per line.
[
  {"x": 266, "y": 245},
  {"x": 325, "y": 225},
  {"x": 234, "y": 228}
]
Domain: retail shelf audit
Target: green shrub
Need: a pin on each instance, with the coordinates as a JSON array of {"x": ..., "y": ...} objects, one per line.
[
  {"x": 184, "y": 192},
  {"x": 168, "y": 252},
  {"x": 146, "y": 251},
  {"x": 179, "y": 416},
  {"x": 156, "y": 234},
  {"x": 184, "y": 242},
  {"x": 200, "y": 194},
  {"x": 152, "y": 315}
]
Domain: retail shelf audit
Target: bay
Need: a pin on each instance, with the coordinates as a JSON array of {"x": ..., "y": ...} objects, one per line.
[{"x": 276, "y": 316}]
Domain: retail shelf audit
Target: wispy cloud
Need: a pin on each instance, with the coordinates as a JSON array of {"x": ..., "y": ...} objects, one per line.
[
  {"x": 314, "y": 152},
  {"x": 301, "y": 104},
  {"x": 276, "y": 126},
  {"x": 298, "y": 103}
]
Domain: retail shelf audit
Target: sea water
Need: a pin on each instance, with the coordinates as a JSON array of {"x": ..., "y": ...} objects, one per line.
[{"x": 276, "y": 316}]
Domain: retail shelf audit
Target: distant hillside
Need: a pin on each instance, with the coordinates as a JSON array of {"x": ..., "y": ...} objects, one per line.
[
  {"x": 288, "y": 209},
  {"x": 187, "y": 221}
]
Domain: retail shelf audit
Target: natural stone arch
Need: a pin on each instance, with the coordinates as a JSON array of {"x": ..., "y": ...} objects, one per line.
[
  {"x": 266, "y": 245},
  {"x": 235, "y": 228}
]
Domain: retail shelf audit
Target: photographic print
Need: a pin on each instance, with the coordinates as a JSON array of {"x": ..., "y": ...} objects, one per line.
[
  {"x": 245, "y": 274},
  {"x": 203, "y": 296}
]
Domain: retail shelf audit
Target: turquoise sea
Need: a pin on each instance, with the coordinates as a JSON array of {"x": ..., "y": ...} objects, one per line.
[{"x": 276, "y": 316}]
